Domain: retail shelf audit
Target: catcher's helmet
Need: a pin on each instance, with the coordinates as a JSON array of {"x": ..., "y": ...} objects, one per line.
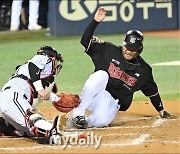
[
  {"x": 51, "y": 52},
  {"x": 134, "y": 40}
]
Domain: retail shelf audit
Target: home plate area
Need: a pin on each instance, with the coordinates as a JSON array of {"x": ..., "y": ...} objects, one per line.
[
  {"x": 134, "y": 131},
  {"x": 131, "y": 132}
]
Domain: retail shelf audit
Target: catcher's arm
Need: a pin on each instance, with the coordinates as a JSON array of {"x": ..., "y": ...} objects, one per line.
[
  {"x": 52, "y": 87},
  {"x": 52, "y": 98},
  {"x": 35, "y": 72}
]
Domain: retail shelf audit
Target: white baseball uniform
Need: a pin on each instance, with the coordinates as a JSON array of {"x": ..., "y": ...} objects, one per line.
[
  {"x": 16, "y": 95},
  {"x": 97, "y": 100},
  {"x": 16, "y": 11}
]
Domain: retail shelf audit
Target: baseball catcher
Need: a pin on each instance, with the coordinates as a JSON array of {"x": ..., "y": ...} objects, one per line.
[{"x": 17, "y": 111}]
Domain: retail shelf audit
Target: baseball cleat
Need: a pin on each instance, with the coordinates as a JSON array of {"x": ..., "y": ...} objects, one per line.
[
  {"x": 80, "y": 122},
  {"x": 35, "y": 27},
  {"x": 14, "y": 28}
]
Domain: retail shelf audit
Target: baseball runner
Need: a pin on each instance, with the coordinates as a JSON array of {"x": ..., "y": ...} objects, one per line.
[
  {"x": 119, "y": 72},
  {"x": 18, "y": 114}
]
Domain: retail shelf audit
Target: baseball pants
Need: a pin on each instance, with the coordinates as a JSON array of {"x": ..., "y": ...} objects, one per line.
[
  {"x": 16, "y": 11},
  {"x": 97, "y": 100},
  {"x": 13, "y": 107}
]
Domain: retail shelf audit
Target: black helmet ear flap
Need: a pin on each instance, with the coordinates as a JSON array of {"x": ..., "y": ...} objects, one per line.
[{"x": 140, "y": 51}]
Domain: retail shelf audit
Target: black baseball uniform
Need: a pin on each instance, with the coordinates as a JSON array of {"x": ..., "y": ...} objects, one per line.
[{"x": 125, "y": 77}]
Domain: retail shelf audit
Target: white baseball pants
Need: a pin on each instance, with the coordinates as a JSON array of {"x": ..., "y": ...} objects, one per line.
[
  {"x": 13, "y": 108},
  {"x": 16, "y": 11},
  {"x": 97, "y": 100}
]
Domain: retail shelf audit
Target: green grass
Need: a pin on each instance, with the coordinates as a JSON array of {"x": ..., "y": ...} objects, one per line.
[{"x": 77, "y": 65}]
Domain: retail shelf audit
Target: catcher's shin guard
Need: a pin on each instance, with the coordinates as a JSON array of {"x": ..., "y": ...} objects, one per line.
[
  {"x": 46, "y": 132},
  {"x": 56, "y": 131},
  {"x": 38, "y": 125}
]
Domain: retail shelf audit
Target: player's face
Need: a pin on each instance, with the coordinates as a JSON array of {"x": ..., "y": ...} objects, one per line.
[{"x": 128, "y": 54}]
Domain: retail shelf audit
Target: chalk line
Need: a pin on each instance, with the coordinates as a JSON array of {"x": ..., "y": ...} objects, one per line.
[
  {"x": 115, "y": 134},
  {"x": 117, "y": 127},
  {"x": 143, "y": 138},
  {"x": 135, "y": 141},
  {"x": 158, "y": 122},
  {"x": 70, "y": 132},
  {"x": 102, "y": 145},
  {"x": 172, "y": 63},
  {"x": 140, "y": 140},
  {"x": 165, "y": 141}
]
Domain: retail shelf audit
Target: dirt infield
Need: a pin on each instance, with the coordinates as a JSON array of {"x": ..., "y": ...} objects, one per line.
[
  {"x": 138, "y": 130},
  {"x": 170, "y": 33}
]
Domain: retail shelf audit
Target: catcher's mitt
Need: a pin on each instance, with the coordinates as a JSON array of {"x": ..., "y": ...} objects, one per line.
[{"x": 67, "y": 102}]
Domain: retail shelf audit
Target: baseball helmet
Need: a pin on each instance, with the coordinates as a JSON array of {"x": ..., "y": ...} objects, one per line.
[
  {"x": 134, "y": 40},
  {"x": 50, "y": 52}
]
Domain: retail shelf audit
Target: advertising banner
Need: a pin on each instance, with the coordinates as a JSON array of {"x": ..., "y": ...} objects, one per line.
[{"x": 70, "y": 17}]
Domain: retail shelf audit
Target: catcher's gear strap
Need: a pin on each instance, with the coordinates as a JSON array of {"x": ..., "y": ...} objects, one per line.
[
  {"x": 50, "y": 54},
  {"x": 30, "y": 83},
  {"x": 47, "y": 53},
  {"x": 25, "y": 78},
  {"x": 35, "y": 120}
]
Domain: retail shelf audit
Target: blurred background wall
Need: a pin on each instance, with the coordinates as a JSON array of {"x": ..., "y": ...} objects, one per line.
[
  {"x": 70, "y": 17},
  {"x": 5, "y": 14}
]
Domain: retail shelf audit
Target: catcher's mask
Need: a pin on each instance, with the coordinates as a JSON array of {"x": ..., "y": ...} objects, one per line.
[
  {"x": 134, "y": 40},
  {"x": 50, "y": 52}
]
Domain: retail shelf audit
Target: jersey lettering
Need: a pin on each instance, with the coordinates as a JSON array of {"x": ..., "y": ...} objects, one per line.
[{"x": 116, "y": 73}]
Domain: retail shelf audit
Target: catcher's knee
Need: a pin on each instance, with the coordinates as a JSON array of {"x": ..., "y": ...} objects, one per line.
[
  {"x": 36, "y": 122},
  {"x": 32, "y": 116}
]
